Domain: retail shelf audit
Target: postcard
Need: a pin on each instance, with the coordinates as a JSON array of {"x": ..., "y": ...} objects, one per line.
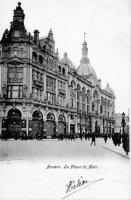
[{"x": 65, "y": 100}]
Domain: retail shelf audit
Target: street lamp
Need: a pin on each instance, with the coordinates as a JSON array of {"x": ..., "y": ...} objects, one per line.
[{"x": 123, "y": 121}]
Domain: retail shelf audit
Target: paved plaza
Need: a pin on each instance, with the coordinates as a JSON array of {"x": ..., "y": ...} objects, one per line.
[{"x": 42, "y": 170}]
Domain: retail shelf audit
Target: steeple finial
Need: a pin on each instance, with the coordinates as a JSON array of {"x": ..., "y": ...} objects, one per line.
[
  {"x": 84, "y": 37},
  {"x": 84, "y": 48},
  {"x": 19, "y": 4}
]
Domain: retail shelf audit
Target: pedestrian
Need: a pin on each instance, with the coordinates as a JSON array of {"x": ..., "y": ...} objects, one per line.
[
  {"x": 119, "y": 139},
  {"x": 105, "y": 138},
  {"x": 93, "y": 139},
  {"x": 86, "y": 136},
  {"x": 126, "y": 143},
  {"x": 80, "y": 135},
  {"x": 114, "y": 138}
]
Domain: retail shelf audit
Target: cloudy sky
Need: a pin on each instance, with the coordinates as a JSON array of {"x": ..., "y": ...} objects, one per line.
[{"x": 107, "y": 27}]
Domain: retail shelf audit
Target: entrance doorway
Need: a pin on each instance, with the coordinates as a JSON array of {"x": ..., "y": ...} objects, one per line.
[
  {"x": 50, "y": 125},
  {"x": 14, "y": 124},
  {"x": 37, "y": 125},
  {"x": 61, "y": 125}
]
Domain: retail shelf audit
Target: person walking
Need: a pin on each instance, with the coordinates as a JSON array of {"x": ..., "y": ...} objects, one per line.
[
  {"x": 80, "y": 135},
  {"x": 105, "y": 138},
  {"x": 93, "y": 139}
]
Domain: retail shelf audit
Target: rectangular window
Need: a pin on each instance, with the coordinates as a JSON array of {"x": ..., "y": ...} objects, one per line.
[
  {"x": 83, "y": 99},
  {"x": 60, "y": 101},
  {"x": 88, "y": 100},
  {"x": 88, "y": 108},
  {"x": 50, "y": 84},
  {"x": 11, "y": 75},
  {"x": 15, "y": 92},
  {"x": 72, "y": 103},
  {"x": 51, "y": 98},
  {"x": 83, "y": 107},
  {"x": 20, "y": 92},
  {"x": 78, "y": 106},
  {"x": 19, "y": 75},
  {"x": 9, "y": 91}
]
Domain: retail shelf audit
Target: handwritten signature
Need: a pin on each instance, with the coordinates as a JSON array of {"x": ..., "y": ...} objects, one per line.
[{"x": 75, "y": 185}]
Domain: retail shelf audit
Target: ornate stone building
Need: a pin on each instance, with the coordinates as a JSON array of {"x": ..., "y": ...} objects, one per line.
[{"x": 42, "y": 94}]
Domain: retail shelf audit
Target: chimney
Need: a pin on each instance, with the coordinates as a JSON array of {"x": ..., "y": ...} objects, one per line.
[{"x": 36, "y": 37}]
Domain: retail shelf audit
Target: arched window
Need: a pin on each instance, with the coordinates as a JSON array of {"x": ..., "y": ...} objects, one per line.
[
  {"x": 50, "y": 116},
  {"x": 61, "y": 118},
  {"x": 78, "y": 87},
  {"x": 93, "y": 106},
  {"x": 14, "y": 113},
  {"x": 83, "y": 90},
  {"x": 73, "y": 84},
  {"x": 37, "y": 115},
  {"x": 34, "y": 56},
  {"x": 88, "y": 96},
  {"x": 101, "y": 100},
  {"x": 63, "y": 71},
  {"x": 95, "y": 94}
]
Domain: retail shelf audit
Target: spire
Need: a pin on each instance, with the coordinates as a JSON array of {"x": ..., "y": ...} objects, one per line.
[
  {"x": 51, "y": 41},
  {"x": 84, "y": 37},
  {"x": 50, "y": 34},
  {"x": 84, "y": 48}
]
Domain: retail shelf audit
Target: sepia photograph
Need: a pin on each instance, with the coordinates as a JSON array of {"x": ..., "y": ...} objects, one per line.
[{"x": 65, "y": 100}]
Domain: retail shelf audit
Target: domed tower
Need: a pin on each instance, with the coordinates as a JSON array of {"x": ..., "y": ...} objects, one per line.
[
  {"x": 18, "y": 20},
  {"x": 85, "y": 69},
  {"x": 17, "y": 28},
  {"x": 66, "y": 61}
]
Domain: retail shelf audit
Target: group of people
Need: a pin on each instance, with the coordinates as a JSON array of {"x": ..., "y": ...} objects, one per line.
[
  {"x": 71, "y": 136},
  {"x": 119, "y": 138}
]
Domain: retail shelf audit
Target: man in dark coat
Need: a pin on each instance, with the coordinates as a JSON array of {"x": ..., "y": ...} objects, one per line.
[
  {"x": 93, "y": 139},
  {"x": 125, "y": 140}
]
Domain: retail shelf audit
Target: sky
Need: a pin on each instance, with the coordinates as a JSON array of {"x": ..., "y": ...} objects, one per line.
[{"x": 107, "y": 27}]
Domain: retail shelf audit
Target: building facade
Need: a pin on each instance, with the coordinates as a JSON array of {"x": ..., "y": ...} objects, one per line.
[{"x": 43, "y": 94}]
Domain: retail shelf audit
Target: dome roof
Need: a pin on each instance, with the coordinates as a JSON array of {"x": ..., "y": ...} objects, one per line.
[
  {"x": 86, "y": 69},
  {"x": 67, "y": 61},
  {"x": 109, "y": 90}
]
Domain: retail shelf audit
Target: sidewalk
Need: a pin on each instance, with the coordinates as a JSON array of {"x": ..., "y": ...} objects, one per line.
[{"x": 116, "y": 149}]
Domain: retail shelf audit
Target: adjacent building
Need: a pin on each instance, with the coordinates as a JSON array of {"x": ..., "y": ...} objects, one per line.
[{"x": 43, "y": 94}]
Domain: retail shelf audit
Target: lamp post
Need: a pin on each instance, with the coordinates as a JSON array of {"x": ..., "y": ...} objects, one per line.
[{"x": 123, "y": 122}]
